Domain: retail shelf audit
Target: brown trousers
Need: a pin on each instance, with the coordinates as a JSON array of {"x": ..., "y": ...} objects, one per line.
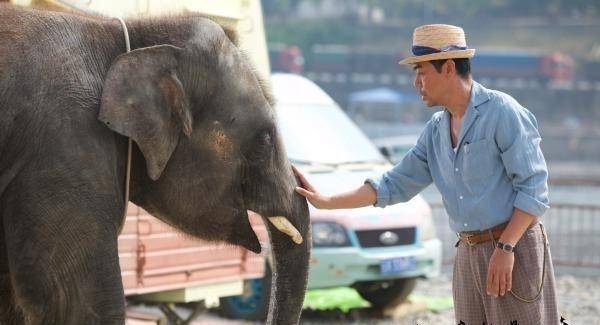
[{"x": 472, "y": 305}]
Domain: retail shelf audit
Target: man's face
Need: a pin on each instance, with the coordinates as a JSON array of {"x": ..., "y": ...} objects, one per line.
[{"x": 429, "y": 83}]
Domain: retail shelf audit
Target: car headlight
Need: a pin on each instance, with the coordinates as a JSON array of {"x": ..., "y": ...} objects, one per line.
[
  {"x": 427, "y": 227},
  {"x": 329, "y": 234}
]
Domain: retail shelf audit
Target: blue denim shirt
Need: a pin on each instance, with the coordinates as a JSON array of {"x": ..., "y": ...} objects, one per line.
[{"x": 498, "y": 164}]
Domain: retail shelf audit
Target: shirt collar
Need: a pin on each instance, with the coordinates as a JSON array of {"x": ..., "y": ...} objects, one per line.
[{"x": 479, "y": 96}]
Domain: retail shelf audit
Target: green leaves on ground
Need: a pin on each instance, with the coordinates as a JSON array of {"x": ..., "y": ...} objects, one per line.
[{"x": 345, "y": 299}]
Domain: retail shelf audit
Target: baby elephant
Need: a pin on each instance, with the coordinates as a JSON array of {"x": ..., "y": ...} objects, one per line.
[{"x": 205, "y": 150}]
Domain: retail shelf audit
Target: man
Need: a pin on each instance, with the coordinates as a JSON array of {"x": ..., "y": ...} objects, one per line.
[{"x": 483, "y": 154}]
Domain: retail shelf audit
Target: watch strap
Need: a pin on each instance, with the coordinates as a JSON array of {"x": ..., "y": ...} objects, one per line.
[{"x": 508, "y": 248}]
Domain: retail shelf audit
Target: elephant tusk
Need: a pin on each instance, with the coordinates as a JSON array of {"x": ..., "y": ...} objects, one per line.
[{"x": 285, "y": 226}]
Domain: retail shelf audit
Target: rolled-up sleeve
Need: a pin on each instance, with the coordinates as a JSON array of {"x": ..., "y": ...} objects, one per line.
[
  {"x": 519, "y": 141},
  {"x": 407, "y": 178}
]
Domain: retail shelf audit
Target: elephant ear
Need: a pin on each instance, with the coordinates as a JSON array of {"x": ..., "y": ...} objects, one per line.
[{"x": 144, "y": 100}]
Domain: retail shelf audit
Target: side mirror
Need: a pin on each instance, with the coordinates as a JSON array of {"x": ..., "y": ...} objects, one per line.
[{"x": 385, "y": 152}]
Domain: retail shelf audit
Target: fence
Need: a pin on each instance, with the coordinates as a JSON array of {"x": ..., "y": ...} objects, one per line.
[{"x": 573, "y": 231}]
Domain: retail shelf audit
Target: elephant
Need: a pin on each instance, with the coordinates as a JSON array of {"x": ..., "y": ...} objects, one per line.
[{"x": 206, "y": 150}]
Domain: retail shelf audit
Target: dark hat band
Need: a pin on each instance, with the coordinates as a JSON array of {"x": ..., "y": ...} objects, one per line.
[{"x": 424, "y": 50}]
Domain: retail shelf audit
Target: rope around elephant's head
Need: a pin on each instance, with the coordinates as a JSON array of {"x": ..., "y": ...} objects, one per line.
[{"x": 128, "y": 168}]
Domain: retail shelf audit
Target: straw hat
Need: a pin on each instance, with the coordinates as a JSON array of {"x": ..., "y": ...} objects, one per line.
[{"x": 436, "y": 42}]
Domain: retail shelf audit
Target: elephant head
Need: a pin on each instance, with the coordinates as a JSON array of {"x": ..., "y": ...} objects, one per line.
[{"x": 208, "y": 149}]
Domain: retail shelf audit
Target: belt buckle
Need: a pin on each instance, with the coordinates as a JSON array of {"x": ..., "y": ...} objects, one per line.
[{"x": 467, "y": 239}]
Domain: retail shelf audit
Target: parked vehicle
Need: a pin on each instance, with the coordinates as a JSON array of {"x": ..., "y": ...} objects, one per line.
[
  {"x": 394, "y": 148},
  {"x": 160, "y": 264},
  {"x": 556, "y": 67},
  {"x": 379, "y": 252},
  {"x": 337, "y": 58},
  {"x": 286, "y": 58}
]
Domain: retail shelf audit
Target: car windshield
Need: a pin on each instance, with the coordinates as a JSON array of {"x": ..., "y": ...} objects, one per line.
[{"x": 323, "y": 134}]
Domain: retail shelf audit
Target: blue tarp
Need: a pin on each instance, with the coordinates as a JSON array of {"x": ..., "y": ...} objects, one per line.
[{"x": 381, "y": 95}]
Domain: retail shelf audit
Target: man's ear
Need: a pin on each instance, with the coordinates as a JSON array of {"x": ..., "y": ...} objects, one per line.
[
  {"x": 144, "y": 99},
  {"x": 449, "y": 68}
]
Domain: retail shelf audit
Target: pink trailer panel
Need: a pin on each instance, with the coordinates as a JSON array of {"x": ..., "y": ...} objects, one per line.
[{"x": 155, "y": 257}]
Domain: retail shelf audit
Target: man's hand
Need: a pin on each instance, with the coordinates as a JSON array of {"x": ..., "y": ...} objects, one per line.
[
  {"x": 315, "y": 198},
  {"x": 361, "y": 196},
  {"x": 499, "y": 277}
]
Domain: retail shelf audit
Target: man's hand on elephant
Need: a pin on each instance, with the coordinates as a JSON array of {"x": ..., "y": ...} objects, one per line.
[
  {"x": 305, "y": 189},
  {"x": 364, "y": 195},
  {"x": 499, "y": 277}
]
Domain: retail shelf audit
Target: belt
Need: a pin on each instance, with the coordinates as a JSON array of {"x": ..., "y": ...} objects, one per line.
[{"x": 473, "y": 238}]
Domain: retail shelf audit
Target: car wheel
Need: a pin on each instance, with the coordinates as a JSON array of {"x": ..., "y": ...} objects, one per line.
[
  {"x": 386, "y": 293},
  {"x": 254, "y": 305}
]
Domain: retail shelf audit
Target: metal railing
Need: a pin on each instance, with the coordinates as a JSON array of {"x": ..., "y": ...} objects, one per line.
[{"x": 573, "y": 232}]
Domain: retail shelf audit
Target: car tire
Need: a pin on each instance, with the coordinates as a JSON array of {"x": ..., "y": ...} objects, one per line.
[
  {"x": 252, "y": 306},
  {"x": 388, "y": 293}
]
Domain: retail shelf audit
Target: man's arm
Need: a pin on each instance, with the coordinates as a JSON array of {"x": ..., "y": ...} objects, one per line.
[
  {"x": 359, "y": 197},
  {"x": 519, "y": 222},
  {"x": 398, "y": 184},
  {"x": 519, "y": 142},
  {"x": 499, "y": 278}
]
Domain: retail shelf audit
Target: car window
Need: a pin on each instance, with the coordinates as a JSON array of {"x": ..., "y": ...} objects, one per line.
[{"x": 323, "y": 134}]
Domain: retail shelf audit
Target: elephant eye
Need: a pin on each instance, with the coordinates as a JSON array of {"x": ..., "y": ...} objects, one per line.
[
  {"x": 266, "y": 139},
  {"x": 262, "y": 147}
]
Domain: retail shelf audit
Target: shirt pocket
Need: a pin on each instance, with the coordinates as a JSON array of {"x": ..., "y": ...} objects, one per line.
[{"x": 477, "y": 160}]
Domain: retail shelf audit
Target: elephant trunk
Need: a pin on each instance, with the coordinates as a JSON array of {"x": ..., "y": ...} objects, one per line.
[{"x": 289, "y": 269}]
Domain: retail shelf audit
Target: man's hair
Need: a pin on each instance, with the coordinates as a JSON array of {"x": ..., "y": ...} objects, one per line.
[{"x": 463, "y": 66}]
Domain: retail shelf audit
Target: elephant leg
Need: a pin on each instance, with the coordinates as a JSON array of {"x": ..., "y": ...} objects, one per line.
[
  {"x": 66, "y": 274},
  {"x": 9, "y": 313}
]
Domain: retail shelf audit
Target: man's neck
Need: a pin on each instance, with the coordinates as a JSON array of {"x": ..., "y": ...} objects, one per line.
[{"x": 459, "y": 100}]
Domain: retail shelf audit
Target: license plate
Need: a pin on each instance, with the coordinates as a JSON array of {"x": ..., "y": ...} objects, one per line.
[{"x": 397, "y": 265}]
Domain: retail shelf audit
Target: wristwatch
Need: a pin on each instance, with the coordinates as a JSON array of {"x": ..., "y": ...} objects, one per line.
[{"x": 507, "y": 248}]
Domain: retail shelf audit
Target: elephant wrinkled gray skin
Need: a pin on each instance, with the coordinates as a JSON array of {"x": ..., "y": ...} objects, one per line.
[{"x": 206, "y": 150}]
